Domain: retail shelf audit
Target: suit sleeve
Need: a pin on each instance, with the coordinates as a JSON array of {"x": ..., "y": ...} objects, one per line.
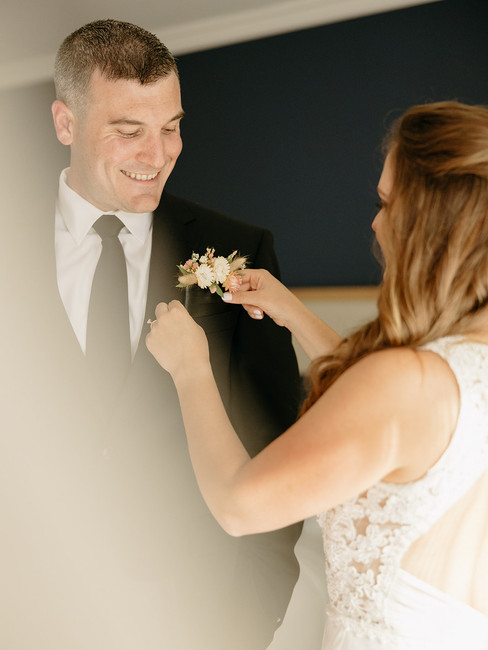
[{"x": 265, "y": 393}]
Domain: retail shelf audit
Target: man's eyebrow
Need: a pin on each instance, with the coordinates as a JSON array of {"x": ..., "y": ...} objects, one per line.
[{"x": 124, "y": 121}]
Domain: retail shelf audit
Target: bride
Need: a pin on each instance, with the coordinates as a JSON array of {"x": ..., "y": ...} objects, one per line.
[{"x": 391, "y": 448}]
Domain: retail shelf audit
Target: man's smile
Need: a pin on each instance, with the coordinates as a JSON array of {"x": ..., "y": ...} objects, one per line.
[{"x": 140, "y": 177}]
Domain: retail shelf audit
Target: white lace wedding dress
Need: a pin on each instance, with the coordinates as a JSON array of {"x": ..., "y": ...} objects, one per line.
[{"x": 374, "y": 602}]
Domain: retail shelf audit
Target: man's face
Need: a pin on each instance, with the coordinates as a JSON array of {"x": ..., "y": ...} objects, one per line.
[{"x": 125, "y": 143}]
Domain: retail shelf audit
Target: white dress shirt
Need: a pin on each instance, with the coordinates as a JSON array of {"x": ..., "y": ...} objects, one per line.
[{"x": 78, "y": 248}]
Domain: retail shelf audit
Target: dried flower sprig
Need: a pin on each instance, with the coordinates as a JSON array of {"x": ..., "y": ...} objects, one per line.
[{"x": 211, "y": 272}]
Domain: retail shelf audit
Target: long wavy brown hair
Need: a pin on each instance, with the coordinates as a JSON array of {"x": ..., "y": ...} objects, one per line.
[{"x": 435, "y": 235}]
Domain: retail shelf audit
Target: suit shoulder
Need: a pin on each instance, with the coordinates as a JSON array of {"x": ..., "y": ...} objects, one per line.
[{"x": 205, "y": 217}]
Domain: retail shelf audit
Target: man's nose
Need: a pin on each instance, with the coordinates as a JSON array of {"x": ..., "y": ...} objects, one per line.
[{"x": 153, "y": 151}]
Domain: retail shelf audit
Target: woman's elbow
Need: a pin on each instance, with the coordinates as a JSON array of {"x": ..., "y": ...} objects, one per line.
[
  {"x": 237, "y": 511},
  {"x": 233, "y": 525},
  {"x": 238, "y": 521}
]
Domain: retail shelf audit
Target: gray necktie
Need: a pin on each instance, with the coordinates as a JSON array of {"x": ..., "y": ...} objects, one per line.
[{"x": 108, "y": 335}]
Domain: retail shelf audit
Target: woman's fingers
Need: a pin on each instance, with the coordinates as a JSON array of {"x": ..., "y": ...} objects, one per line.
[{"x": 254, "y": 312}]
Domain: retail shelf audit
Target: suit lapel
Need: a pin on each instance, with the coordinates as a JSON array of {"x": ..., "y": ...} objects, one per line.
[
  {"x": 176, "y": 233},
  {"x": 168, "y": 250}
]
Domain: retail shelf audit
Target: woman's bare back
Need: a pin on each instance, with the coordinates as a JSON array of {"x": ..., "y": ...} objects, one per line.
[{"x": 453, "y": 555}]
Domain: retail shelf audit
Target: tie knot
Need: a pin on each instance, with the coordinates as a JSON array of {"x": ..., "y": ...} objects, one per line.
[{"x": 108, "y": 226}]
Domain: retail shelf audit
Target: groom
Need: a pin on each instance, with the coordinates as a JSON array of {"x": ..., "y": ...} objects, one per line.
[{"x": 108, "y": 544}]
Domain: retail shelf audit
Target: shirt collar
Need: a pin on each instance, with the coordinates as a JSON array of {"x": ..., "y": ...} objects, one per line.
[{"x": 79, "y": 215}]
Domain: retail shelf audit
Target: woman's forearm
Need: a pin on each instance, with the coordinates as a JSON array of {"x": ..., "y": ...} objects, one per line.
[
  {"x": 314, "y": 336},
  {"x": 216, "y": 452}
]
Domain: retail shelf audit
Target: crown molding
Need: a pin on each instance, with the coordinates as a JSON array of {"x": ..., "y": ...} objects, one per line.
[
  {"x": 227, "y": 29},
  {"x": 271, "y": 20}
]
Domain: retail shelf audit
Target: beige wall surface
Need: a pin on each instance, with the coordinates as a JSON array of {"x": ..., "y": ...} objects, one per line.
[
  {"x": 32, "y": 158},
  {"x": 343, "y": 308}
]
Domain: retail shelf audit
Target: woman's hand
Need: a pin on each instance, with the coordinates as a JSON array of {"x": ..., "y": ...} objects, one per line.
[
  {"x": 177, "y": 343},
  {"x": 260, "y": 292}
]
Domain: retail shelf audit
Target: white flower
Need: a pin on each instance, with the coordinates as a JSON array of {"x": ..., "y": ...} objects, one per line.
[
  {"x": 210, "y": 272},
  {"x": 205, "y": 276},
  {"x": 221, "y": 269}
]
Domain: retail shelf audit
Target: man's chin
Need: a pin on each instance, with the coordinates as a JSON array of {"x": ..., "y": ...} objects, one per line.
[{"x": 145, "y": 203}]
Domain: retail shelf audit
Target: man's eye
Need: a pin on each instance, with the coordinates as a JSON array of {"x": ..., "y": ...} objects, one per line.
[
  {"x": 128, "y": 134},
  {"x": 380, "y": 205}
]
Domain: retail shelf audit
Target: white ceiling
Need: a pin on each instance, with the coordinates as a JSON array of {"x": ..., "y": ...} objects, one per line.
[{"x": 31, "y": 30}]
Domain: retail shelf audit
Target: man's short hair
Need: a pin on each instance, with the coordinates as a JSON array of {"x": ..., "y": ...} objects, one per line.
[{"x": 118, "y": 50}]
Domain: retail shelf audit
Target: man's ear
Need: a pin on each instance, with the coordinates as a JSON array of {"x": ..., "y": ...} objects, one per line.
[{"x": 63, "y": 122}]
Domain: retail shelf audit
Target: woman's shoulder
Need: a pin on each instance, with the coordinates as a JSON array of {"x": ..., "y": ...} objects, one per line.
[
  {"x": 415, "y": 394},
  {"x": 404, "y": 368},
  {"x": 436, "y": 359},
  {"x": 408, "y": 390}
]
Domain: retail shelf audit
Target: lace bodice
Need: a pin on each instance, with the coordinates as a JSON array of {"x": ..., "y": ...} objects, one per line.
[{"x": 366, "y": 538}]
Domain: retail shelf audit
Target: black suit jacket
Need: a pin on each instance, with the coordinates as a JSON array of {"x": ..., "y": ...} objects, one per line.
[{"x": 108, "y": 532}]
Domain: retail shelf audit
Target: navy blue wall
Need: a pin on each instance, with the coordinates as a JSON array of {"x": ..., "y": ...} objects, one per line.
[{"x": 286, "y": 131}]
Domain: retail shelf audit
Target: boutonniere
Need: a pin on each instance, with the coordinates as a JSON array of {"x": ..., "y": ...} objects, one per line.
[{"x": 211, "y": 272}]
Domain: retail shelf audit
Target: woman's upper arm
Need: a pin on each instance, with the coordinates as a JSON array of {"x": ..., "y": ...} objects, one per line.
[{"x": 364, "y": 428}]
